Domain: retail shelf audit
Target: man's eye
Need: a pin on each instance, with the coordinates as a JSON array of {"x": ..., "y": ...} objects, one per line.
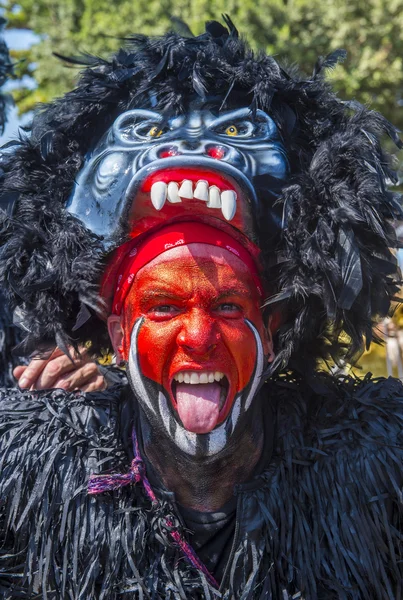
[
  {"x": 165, "y": 308},
  {"x": 163, "y": 311},
  {"x": 229, "y": 308}
]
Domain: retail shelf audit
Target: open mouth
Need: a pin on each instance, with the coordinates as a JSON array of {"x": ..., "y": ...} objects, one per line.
[
  {"x": 169, "y": 193},
  {"x": 200, "y": 399},
  {"x": 214, "y": 191}
]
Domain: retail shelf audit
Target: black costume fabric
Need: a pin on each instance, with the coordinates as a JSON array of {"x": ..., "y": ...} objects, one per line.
[
  {"x": 322, "y": 522},
  {"x": 330, "y": 262}
]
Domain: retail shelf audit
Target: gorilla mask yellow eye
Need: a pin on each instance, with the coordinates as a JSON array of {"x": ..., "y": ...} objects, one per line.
[
  {"x": 231, "y": 130},
  {"x": 155, "y": 132}
]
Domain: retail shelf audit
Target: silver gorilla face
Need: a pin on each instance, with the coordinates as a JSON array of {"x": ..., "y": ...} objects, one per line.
[{"x": 149, "y": 169}]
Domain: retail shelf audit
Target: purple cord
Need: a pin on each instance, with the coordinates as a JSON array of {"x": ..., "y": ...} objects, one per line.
[{"x": 104, "y": 483}]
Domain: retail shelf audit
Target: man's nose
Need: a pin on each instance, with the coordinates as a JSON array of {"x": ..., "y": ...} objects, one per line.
[{"x": 198, "y": 334}]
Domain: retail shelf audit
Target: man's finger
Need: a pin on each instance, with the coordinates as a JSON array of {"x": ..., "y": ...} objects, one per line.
[
  {"x": 34, "y": 369},
  {"x": 96, "y": 385},
  {"x": 18, "y": 371},
  {"x": 76, "y": 380},
  {"x": 53, "y": 371}
]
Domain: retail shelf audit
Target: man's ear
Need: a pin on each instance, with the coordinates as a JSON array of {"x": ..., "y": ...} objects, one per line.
[{"x": 116, "y": 334}]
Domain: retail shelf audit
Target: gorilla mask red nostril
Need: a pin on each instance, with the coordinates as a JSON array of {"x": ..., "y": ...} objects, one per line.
[
  {"x": 216, "y": 152},
  {"x": 168, "y": 152}
]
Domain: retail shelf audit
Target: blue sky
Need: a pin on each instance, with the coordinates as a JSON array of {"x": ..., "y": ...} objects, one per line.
[
  {"x": 20, "y": 39},
  {"x": 16, "y": 39}
]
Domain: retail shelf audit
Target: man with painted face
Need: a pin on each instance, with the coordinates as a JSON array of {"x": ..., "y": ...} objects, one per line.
[
  {"x": 191, "y": 331},
  {"x": 227, "y": 223}
]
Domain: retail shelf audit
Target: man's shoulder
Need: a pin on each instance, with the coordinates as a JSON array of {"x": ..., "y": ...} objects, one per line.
[
  {"x": 53, "y": 438},
  {"x": 83, "y": 414},
  {"x": 324, "y": 399},
  {"x": 339, "y": 410},
  {"x": 345, "y": 428},
  {"x": 336, "y": 482},
  {"x": 359, "y": 412},
  {"x": 34, "y": 424},
  {"x": 50, "y": 443}
]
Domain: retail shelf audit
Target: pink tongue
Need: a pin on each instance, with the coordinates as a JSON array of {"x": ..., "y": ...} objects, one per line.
[{"x": 198, "y": 405}]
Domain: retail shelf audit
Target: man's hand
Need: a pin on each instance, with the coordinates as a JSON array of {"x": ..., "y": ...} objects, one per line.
[{"x": 59, "y": 372}]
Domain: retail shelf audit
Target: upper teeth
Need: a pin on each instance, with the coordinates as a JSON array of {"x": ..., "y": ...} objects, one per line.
[
  {"x": 201, "y": 191},
  {"x": 226, "y": 200},
  {"x": 198, "y": 377},
  {"x": 173, "y": 194},
  {"x": 158, "y": 194}
]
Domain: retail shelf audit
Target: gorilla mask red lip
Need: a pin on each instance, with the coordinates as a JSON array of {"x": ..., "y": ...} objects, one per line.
[{"x": 196, "y": 192}]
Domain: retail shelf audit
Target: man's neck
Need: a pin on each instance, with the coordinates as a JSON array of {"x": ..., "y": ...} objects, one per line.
[{"x": 204, "y": 483}]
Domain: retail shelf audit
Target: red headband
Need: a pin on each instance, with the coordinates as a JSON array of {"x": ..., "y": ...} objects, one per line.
[{"x": 144, "y": 251}]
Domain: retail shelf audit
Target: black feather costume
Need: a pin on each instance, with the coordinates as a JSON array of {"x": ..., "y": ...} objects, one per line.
[{"x": 330, "y": 263}]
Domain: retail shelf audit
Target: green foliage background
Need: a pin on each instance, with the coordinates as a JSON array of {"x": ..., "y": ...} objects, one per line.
[{"x": 296, "y": 31}]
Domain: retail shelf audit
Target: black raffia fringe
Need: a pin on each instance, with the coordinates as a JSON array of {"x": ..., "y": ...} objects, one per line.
[
  {"x": 322, "y": 523},
  {"x": 335, "y": 271},
  {"x": 333, "y": 502},
  {"x": 56, "y": 540}
]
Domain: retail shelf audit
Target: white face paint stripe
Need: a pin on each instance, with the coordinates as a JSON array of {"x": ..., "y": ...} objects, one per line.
[
  {"x": 186, "y": 440},
  {"x": 217, "y": 440},
  {"x": 134, "y": 368},
  {"x": 236, "y": 411},
  {"x": 164, "y": 411},
  {"x": 259, "y": 365}
]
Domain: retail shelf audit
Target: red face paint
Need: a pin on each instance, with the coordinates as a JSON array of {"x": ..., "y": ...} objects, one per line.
[{"x": 194, "y": 300}]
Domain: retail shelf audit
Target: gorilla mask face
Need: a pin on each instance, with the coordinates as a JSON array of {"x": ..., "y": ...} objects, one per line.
[{"x": 149, "y": 169}]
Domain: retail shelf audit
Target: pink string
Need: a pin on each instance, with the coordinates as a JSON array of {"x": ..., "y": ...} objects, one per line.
[{"x": 99, "y": 484}]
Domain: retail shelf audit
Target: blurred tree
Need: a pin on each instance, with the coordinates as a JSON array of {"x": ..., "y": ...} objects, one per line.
[{"x": 294, "y": 30}]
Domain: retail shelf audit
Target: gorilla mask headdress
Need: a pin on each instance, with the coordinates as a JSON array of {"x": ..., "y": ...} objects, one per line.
[{"x": 203, "y": 129}]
